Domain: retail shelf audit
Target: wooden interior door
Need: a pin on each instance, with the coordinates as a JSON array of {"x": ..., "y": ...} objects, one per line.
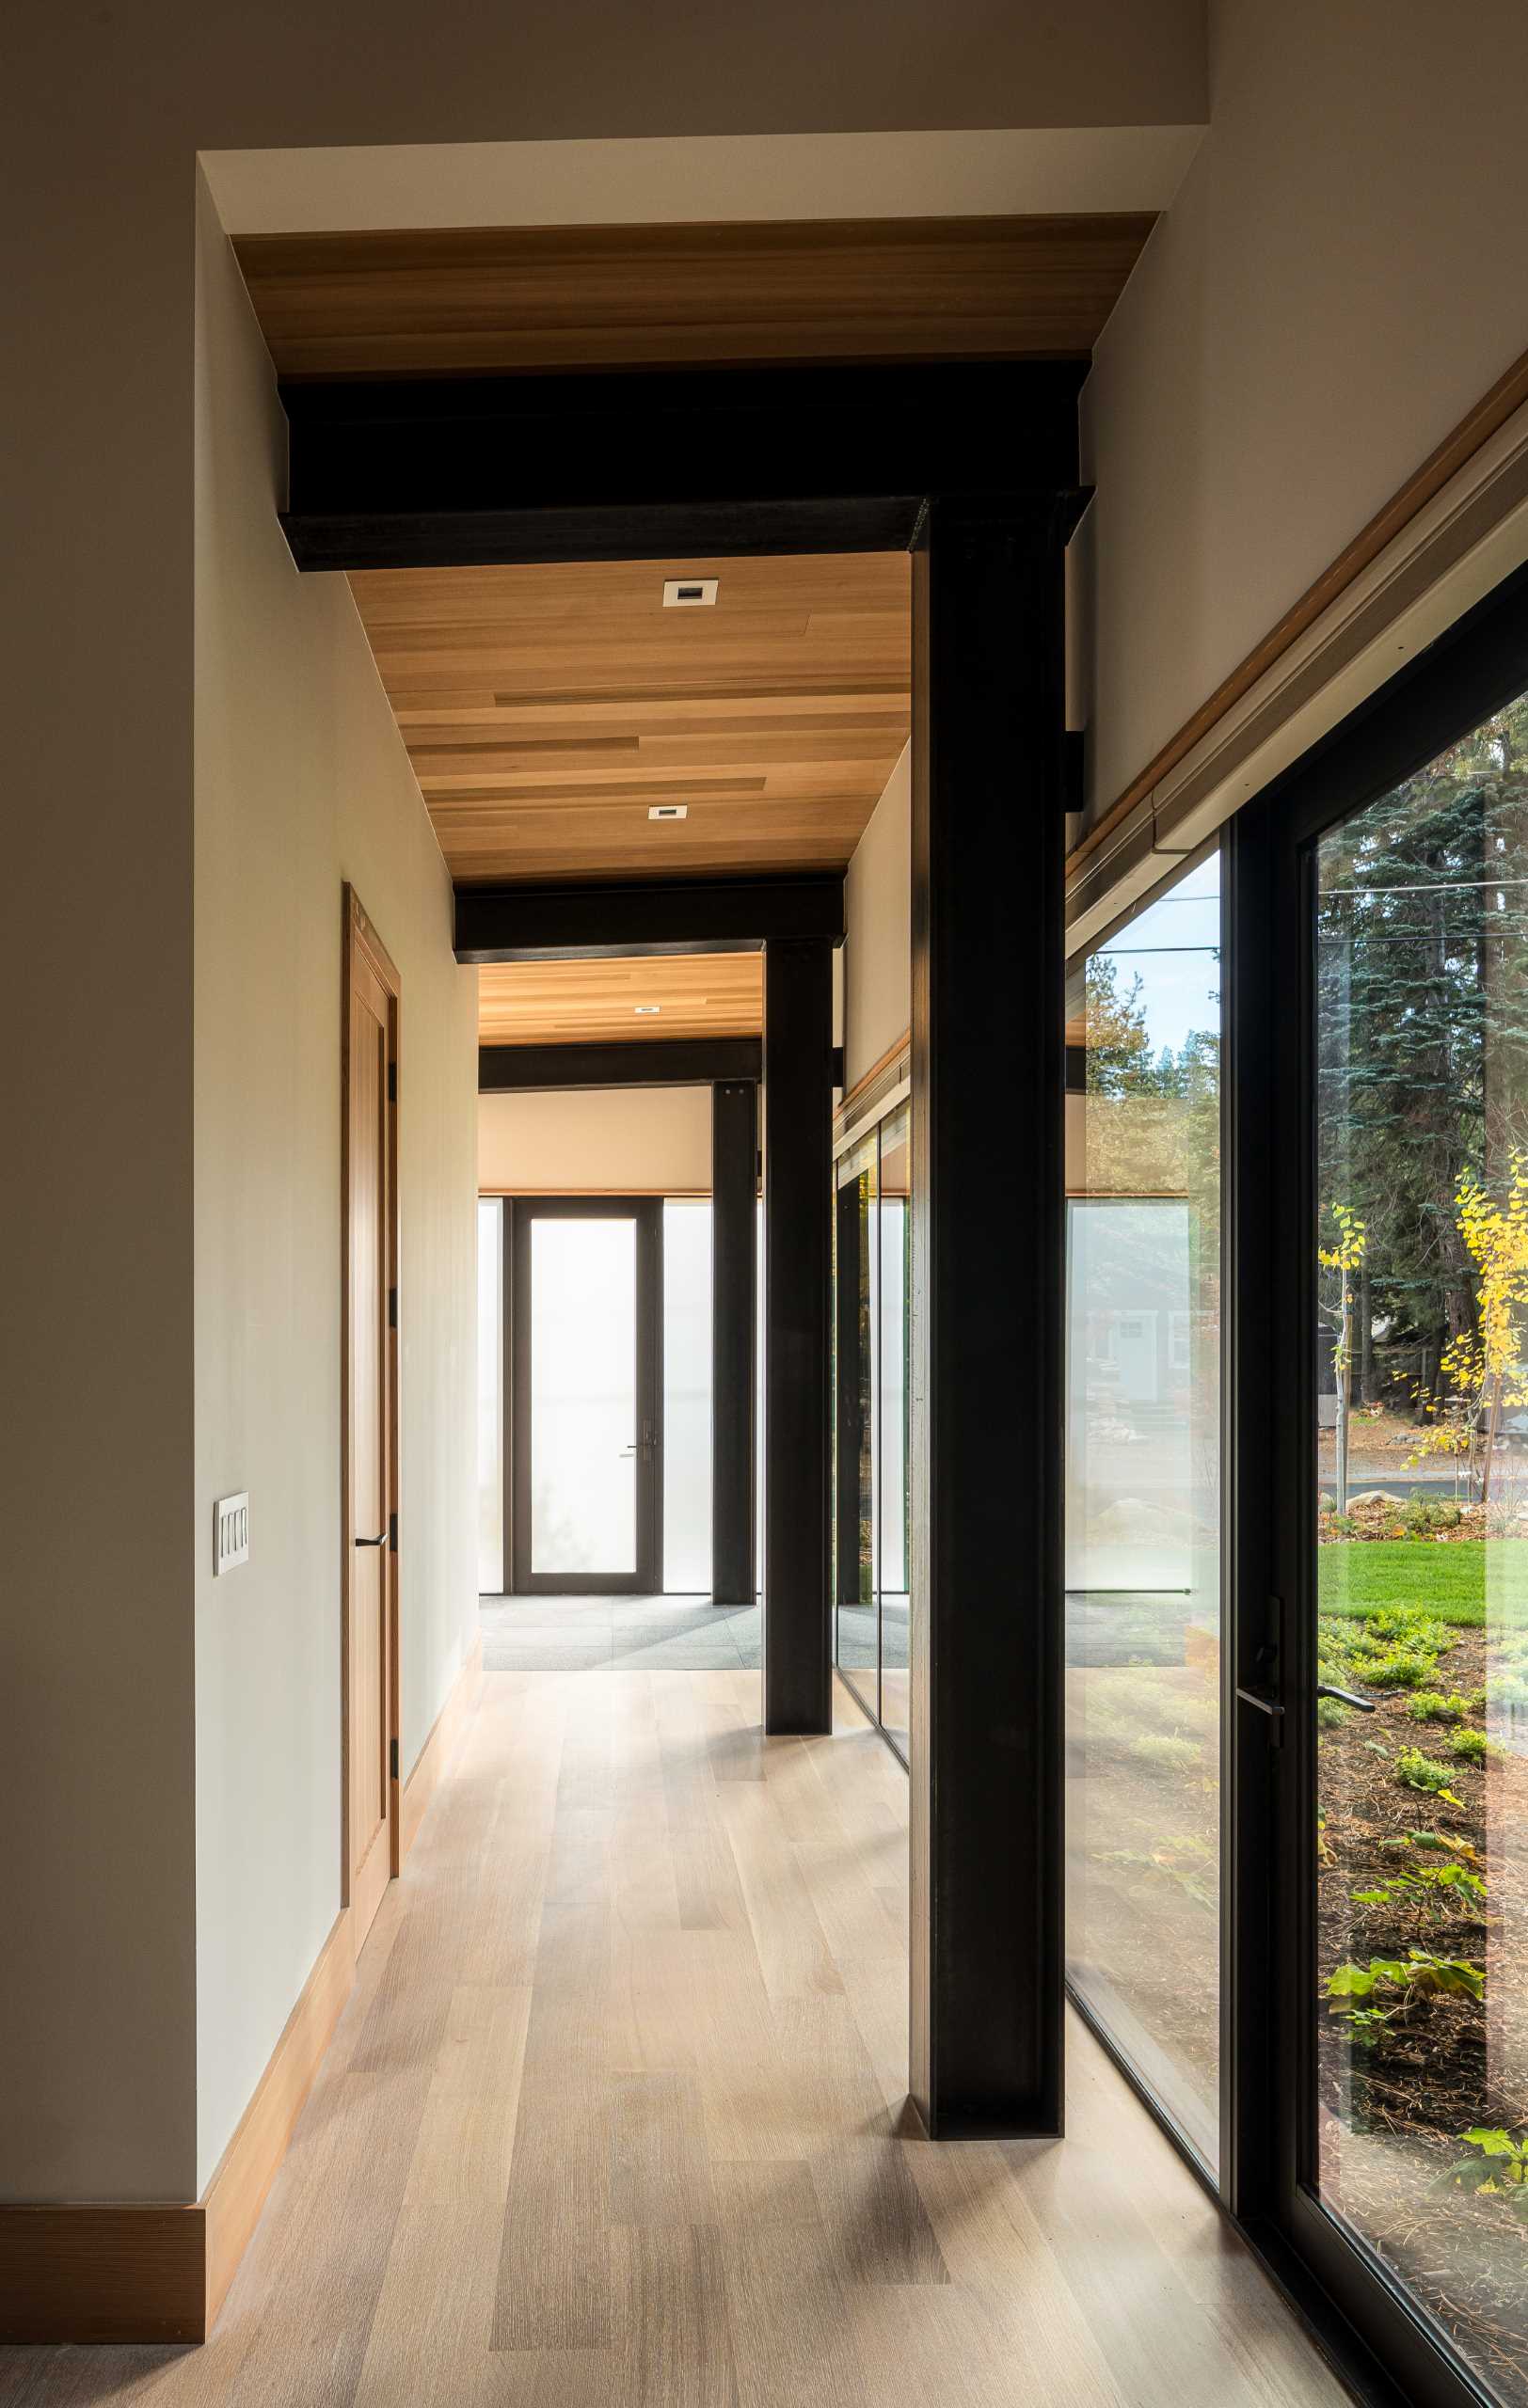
[{"x": 370, "y": 1575}]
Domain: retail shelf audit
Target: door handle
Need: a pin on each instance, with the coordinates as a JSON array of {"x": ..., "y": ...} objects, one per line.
[
  {"x": 1346, "y": 1696},
  {"x": 376, "y": 1542}
]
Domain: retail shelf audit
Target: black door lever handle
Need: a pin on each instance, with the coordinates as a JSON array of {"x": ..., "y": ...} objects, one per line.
[{"x": 376, "y": 1542}]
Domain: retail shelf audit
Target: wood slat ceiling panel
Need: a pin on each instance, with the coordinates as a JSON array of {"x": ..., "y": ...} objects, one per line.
[
  {"x": 552, "y": 1003},
  {"x": 546, "y": 710},
  {"x": 473, "y": 300}
]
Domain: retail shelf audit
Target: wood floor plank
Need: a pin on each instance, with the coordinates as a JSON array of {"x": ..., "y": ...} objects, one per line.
[
  {"x": 794, "y": 1954},
  {"x": 675, "y": 2339},
  {"x": 661, "y": 2172},
  {"x": 792, "y": 2338}
]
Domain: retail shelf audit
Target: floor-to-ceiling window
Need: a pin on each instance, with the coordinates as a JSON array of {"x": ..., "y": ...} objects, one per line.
[
  {"x": 1416, "y": 2121},
  {"x": 872, "y": 1255},
  {"x": 490, "y": 1395},
  {"x": 1143, "y": 1496},
  {"x": 687, "y": 1395}
]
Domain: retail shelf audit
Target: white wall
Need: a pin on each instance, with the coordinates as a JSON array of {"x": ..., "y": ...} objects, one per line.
[
  {"x": 638, "y": 1141},
  {"x": 301, "y": 783},
  {"x": 1340, "y": 277},
  {"x": 878, "y": 949}
]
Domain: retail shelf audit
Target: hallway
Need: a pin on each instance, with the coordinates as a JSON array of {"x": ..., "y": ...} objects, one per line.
[{"x": 612, "y": 2117}]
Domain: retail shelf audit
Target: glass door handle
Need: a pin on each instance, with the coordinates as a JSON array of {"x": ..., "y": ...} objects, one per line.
[{"x": 1346, "y": 1696}]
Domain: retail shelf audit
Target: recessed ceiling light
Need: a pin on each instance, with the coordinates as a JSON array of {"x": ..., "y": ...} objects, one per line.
[
  {"x": 668, "y": 810},
  {"x": 646, "y": 1007},
  {"x": 689, "y": 593}
]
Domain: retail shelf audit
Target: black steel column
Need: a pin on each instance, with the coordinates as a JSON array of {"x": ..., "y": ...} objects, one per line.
[
  {"x": 734, "y": 1245},
  {"x": 988, "y": 1203},
  {"x": 797, "y": 1042}
]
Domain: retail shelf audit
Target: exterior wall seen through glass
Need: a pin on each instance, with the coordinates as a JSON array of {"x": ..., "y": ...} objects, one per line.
[
  {"x": 1420, "y": 1887},
  {"x": 1143, "y": 1496}
]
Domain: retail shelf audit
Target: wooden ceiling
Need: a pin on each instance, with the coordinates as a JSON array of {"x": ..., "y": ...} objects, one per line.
[
  {"x": 547, "y": 709},
  {"x": 465, "y": 300},
  {"x": 553, "y": 1003}
]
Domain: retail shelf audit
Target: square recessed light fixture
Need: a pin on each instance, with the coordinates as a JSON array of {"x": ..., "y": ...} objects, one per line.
[
  {"x": 690, "y": 592},
  {"x": 646, "y": 1007},
  {"x": 668, "y": 810}
]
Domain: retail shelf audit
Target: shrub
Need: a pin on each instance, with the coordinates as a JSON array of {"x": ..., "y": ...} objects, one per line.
[
  {"x": 1427, "y": 1514},
  {"x": 1414, "y": 1771},
  {"x": 1331, "y": 1712}
]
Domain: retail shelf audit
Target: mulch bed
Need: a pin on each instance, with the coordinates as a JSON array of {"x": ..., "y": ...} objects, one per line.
[{"x": 1447, "y": 2062}]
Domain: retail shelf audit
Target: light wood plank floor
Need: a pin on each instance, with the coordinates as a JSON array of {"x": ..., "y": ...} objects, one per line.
[{"x": 614, "y": 2117}]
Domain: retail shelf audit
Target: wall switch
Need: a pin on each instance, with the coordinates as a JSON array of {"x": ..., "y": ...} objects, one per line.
[{"x": 230, "y": 1533}]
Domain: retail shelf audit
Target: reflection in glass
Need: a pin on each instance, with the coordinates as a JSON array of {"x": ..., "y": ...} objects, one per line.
[
  {"x": 584, "y": 1395},
  {"x": 1143, "y": 1518},
  {"x": 490, "y": 1393},
  {"x": 687, "y": 1396},
  {"x": 893, "y": 1395},
  {"x": 857, "y": 1240},
  {"x": 1421, "y": 1445}
]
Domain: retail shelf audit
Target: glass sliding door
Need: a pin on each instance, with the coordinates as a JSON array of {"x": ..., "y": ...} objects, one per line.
[
  {"x": 856, "y": 1348},
  {"x": 872, "y": 1356},
  {"x": 1414, "y": 2113},
  {"x": 893, "y": 1401},
  {"x": 1143, "y": 1498}
]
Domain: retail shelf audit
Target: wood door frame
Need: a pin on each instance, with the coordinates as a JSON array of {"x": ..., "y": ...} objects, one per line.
[
  {"x": 360, "y": 937},
  {"x": 647, "y": 1213}
]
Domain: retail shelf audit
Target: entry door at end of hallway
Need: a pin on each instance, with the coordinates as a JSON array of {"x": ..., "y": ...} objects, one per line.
[{"x": 586, "y": 1318}]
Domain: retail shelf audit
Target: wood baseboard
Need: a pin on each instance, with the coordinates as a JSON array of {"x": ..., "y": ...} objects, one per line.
[
  {"x": 161, "y": 2273},
  {"x": 441, "y": 1747}
]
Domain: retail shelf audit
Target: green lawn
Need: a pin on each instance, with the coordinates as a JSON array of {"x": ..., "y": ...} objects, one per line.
[{"x": 1447, "y": 1579}]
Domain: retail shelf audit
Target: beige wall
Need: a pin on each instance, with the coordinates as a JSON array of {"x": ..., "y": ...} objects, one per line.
[
  {"x": 302, "y": 783},
  {"x": 635, "y": 1140},
  {"x": 878, "y": 903},
  {"x": 1340, "y": 278}
]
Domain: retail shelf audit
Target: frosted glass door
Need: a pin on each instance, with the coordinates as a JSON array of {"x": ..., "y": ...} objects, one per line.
[{"x": 587, "y": 1442}]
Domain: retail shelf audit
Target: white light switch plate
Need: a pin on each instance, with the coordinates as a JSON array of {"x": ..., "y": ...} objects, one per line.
[{"x": 230, "y": 1533}]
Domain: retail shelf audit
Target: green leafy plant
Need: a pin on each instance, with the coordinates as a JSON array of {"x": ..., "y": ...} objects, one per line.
[
  {"x": 1501, "y": 2164},
  {"x": 1420, "y": 1973},
  {"x": 1471, "y": 1747},
  {"x": 1414, "y": 1771},
  {"x": 1432, "y": 1706},
  {"x": 1401, "y": 1668},
  {"x": 1330, "y": 1714},
  {"x": 1431, "y": 1888},
  {"x": 1424, "y": 1515}
]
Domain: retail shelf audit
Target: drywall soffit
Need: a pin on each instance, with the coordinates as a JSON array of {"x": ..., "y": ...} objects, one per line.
[
  {"x": 1007, "y": 171},
  {"x": 1465, "y": 541}
]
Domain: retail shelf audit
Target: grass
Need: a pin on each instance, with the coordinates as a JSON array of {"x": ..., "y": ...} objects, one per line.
[{"x": 1448, "y": 1582}]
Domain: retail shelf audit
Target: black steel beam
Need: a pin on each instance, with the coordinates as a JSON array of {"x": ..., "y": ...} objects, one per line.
[
  {"x": 645, "y": 464},
  {"x": 681, "y": 915},
  {"x": 798, "y": 1201},
  {"x": 987, "y": 1019},
  {"x": 659, "y": 1062},
  {"x": 734, "y": 1308}
]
